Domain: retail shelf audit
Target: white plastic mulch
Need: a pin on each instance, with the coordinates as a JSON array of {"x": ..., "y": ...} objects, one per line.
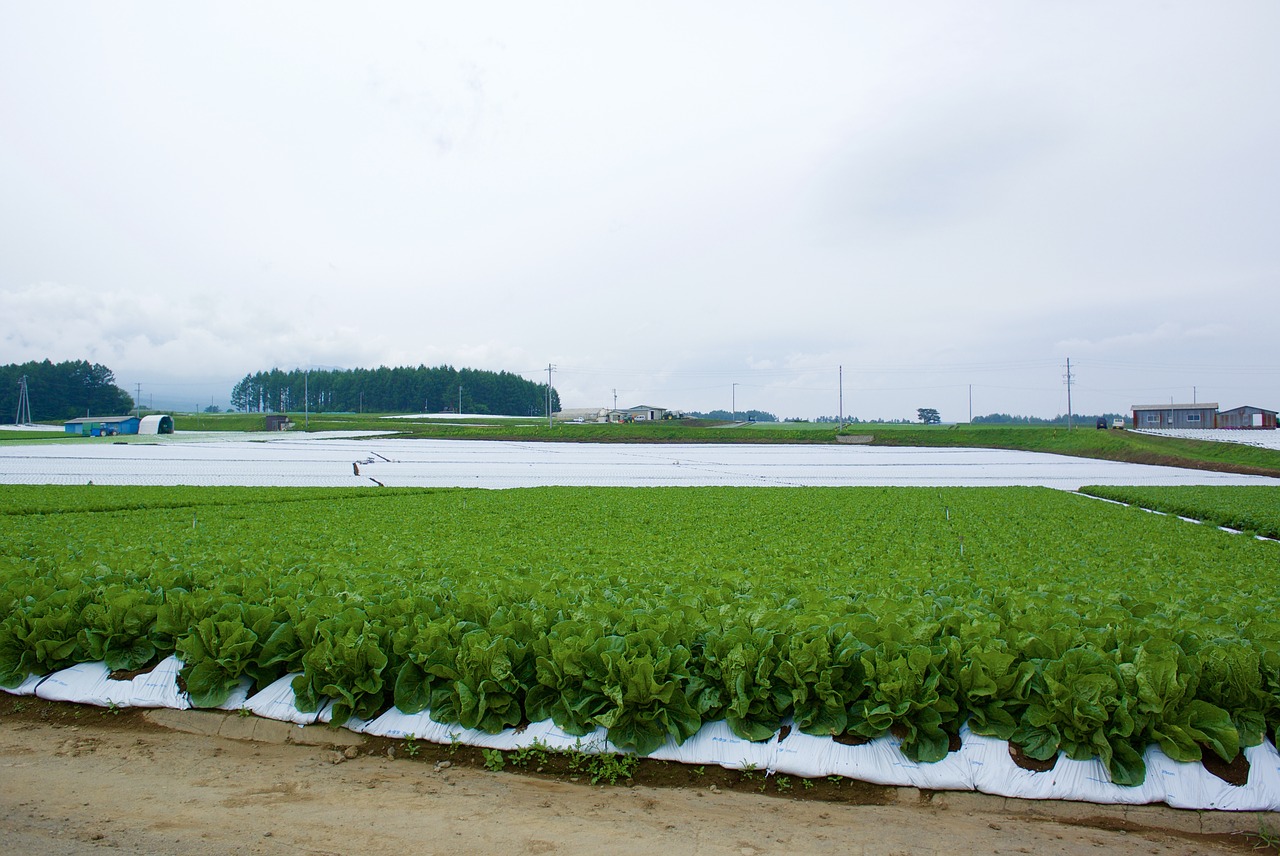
[
  {"x": 981, "y": 764},
  {"x": 1265, "y": 439},
  {"x": 335, "y": 460}
]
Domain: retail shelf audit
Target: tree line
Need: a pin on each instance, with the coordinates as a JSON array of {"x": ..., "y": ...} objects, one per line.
[
  {"x": 62, "y": 391},
  {"x": 1060, "y": 419},
  {"x": 726, "y": 416},
  {"x": 442, "y": 389}
]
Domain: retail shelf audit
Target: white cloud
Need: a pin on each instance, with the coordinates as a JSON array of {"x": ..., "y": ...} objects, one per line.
[{"x": 664, "y": 200}]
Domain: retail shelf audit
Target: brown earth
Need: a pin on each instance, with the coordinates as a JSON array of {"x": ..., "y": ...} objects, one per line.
[{"x": 80, "y": 780}]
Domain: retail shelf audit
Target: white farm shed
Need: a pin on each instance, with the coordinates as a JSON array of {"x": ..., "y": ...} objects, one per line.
[{"x": 156, "y": 423}]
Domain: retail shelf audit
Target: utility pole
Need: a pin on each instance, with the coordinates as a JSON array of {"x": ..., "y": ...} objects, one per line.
[
  {"x": 1069, "y": 379},
  {"x": 842, "y": 398},
  {"x": 550, "y": 369},
  {"x": 306, "y": 400},
  {"x": 24, "y": 404},
  {"x": 970, "y": 404},
  {"x": 137, "y": 401},
  {"x": 733, "y": 399},
  {"x": 459, "y": 399}
]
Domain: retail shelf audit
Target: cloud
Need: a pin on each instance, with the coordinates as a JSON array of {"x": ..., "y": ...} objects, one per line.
[
  {"x": 1151, "y": 339},
  {"x": 666, "y": 200}
]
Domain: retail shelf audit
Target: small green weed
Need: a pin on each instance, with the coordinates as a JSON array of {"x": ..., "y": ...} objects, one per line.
[
  {"x": 493, "y": 759},
  {"x": 610, "y": 768},
  {"x": 410, "y": 746},
  {"x": 536, "y": 753},
  {"x": 1266, "y": 838}
]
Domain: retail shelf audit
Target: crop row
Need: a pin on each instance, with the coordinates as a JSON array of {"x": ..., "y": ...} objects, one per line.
[
  {"x": 1254, "y": 509},
  {"x": 1058, "y": 623}
]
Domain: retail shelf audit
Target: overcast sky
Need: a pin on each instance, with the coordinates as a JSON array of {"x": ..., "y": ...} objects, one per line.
[{"x": 662, "y": 199}]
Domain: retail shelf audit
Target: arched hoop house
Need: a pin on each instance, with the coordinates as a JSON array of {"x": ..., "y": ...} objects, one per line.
[{"x": 157, "y": 423}]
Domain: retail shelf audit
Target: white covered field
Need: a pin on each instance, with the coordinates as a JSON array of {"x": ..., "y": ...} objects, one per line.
[
  {"x": 330, "y": 459},
  {"x": 1262, "y": 439}
]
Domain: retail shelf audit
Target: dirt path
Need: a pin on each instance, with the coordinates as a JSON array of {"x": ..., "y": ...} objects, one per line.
[{"x": 79, "y": 780}]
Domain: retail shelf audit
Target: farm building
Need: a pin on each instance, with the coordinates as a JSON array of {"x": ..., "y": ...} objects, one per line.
[
  {"x": 1175, "y": 415},
  {"x": 640, "y": 413},
  {"x": 583, "y": 414},
  {"x": 278, "y": 422},
  {"x": 1247, "y": 417},
  {"x": 156, "y": 423},
  {"x": 1204, "y": 415},
  {"x": 102, "y": 426}
]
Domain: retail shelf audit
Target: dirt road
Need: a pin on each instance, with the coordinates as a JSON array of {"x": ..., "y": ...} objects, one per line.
[{"x": 77, "y": 780}]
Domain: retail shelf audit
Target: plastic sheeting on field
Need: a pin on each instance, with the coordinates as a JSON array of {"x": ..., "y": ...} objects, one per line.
[
  {"x": 91, "y": 683},
  {"x": 325, "y": 460},
  {"x": 981, "y": 764},
  {"x": 276, "y": 701}
]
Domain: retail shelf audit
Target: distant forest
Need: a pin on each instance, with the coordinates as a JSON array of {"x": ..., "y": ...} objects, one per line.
[
  {"x": 726, "y": 416},
  {"x": 62, "y": 391},
  {"x": 442, "y": 389},
  {"x": 1061, "y": 419}
]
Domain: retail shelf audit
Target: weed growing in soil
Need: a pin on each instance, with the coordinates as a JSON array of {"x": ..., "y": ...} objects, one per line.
[
  {"x": 1267, "y": 838},
  {"x": 493, "y": 759},
  {"x": 410, "y": 746},
  {"x": 535, "y": 752},
  {"x": 603, "y": 768},
  {"x": 598, "y": 767}
]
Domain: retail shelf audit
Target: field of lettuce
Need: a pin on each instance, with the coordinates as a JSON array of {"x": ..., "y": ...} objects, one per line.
[
  {"x": 1047, "y": 619},
  {"x": 1252, "y": 509}
]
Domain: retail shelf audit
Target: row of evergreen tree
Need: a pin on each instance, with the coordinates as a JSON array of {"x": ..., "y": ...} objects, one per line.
[
  {"x": 726, "y": 416},
  {"x": 62, "y": 391},
  {"x": 1060, "y": 419},
  {"x": 403, "y": 389}
]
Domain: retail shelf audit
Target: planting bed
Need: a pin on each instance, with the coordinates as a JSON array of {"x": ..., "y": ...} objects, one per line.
[{"x": 739, "y": 627}]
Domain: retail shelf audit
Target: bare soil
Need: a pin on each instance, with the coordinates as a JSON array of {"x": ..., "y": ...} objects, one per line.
[{"x": 80, "y": 780}]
